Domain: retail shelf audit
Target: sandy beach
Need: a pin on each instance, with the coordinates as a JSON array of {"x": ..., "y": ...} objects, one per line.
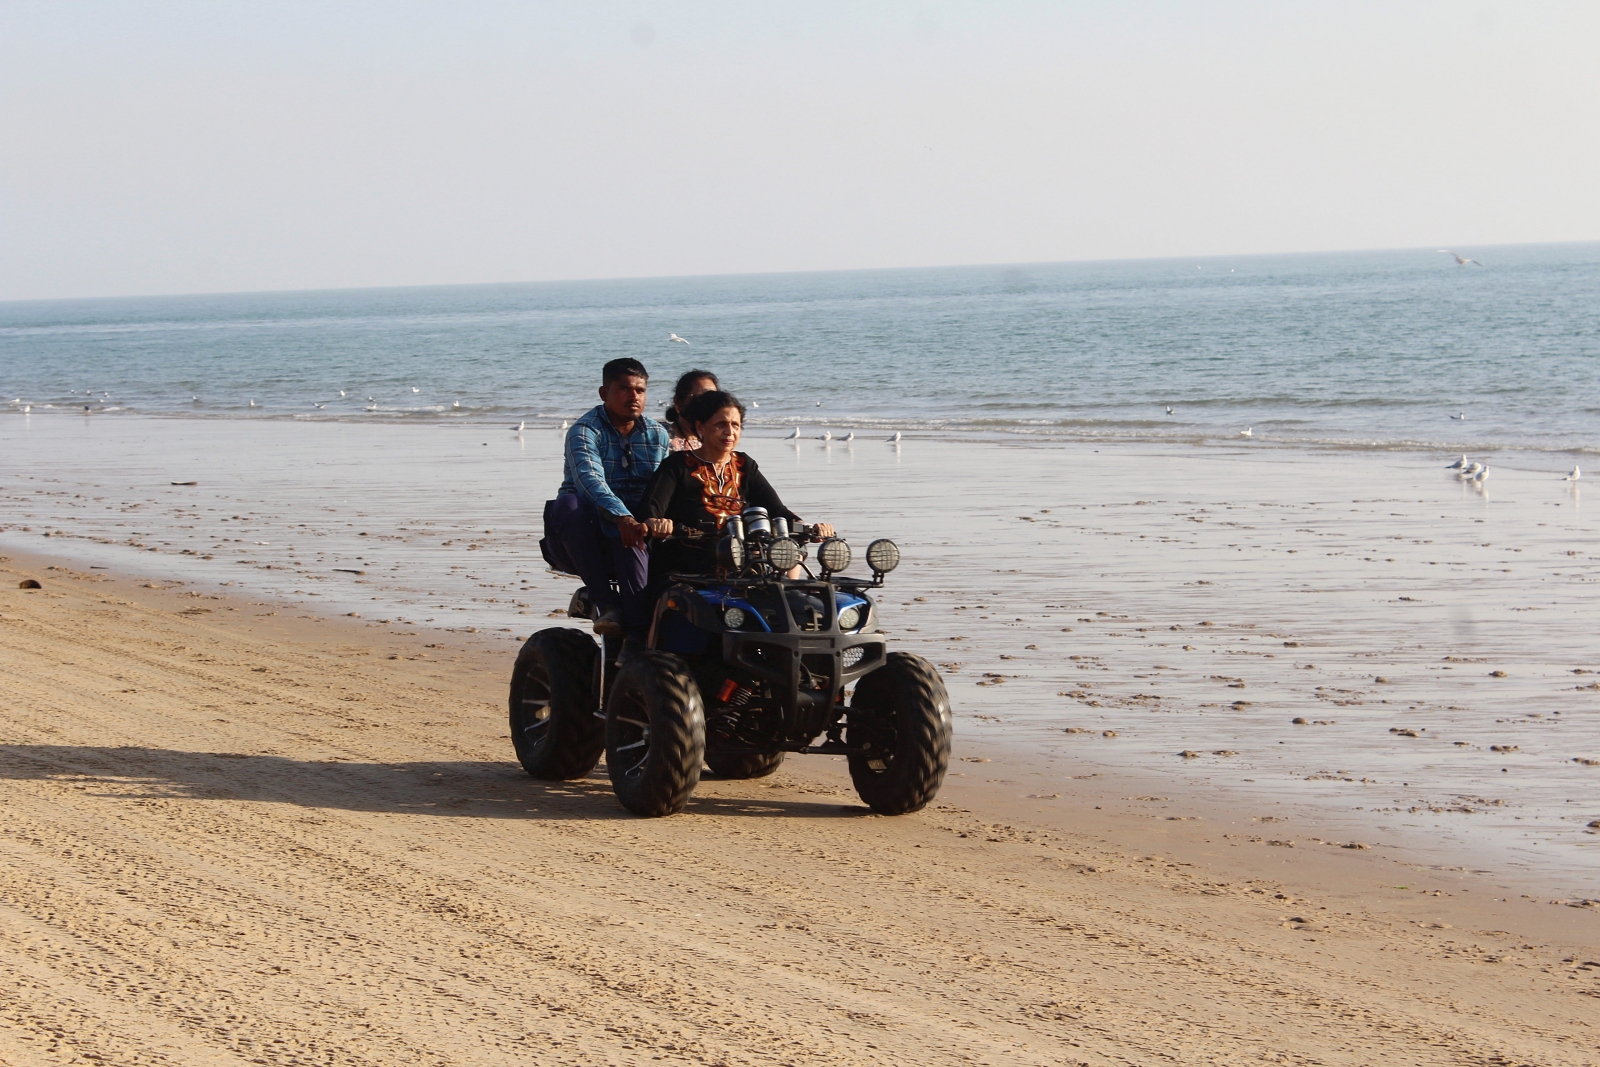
[{"x": 237, "y": 832}]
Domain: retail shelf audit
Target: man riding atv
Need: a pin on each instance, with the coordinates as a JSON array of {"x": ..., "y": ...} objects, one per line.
[{"x": 591, "y": 528}]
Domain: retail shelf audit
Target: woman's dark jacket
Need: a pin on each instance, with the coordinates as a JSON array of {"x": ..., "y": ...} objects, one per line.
[{"x": 685, "y": 489}]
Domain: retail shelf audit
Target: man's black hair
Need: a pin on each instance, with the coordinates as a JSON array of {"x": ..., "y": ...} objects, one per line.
[
  {"x": 626, "y": 367},
  {"x": 706, "y": 405}
]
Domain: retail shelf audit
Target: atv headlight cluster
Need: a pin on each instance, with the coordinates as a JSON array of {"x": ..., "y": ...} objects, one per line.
[
  {"x": 883, "y": 556},
  {"x": 851, "y": 618},
  {"x": 783, "y": 554},
  {"x": 834, "y": 554},
  {"x": 733, "y": 618}
]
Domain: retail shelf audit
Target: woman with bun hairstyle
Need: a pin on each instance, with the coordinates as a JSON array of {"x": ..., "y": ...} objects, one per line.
[
  {"x": 703, "y": 486},
  {"x": 690, "y": 385}
]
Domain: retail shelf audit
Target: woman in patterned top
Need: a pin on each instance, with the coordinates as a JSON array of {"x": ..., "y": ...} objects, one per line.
[
  {"x": 690, "y": 385},
  {"x": 704, "y": 486}
]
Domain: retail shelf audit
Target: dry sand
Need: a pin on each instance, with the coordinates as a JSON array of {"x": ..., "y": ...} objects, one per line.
[{"x": 236, "y": 832}]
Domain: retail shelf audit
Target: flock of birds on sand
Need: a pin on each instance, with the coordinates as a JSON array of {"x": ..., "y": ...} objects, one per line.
[{"x": 1477, "y": 473}]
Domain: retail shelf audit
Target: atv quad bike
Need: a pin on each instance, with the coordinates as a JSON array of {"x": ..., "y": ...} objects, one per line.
[{"x": 741, "y": 668}]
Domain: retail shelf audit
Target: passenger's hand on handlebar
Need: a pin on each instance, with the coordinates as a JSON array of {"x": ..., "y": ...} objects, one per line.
[
  {"x": 634, "y": 532},
  {"x": 822, "y": 531}
]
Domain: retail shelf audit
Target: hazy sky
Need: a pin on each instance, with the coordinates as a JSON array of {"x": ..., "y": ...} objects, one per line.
[{"x": 214, "y": 146}]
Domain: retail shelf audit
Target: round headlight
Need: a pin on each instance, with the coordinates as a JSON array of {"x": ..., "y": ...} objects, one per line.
[
  {"x": 733, "y": 618},
  {"x": 834, "y": 554},
  {"x": 883, "y": 555},
  {"x": 850, "y": 618},
  {"x": 783, "y": 554}
]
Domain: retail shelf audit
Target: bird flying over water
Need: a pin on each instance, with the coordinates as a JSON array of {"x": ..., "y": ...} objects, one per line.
[
  {"x": 1169, "y": 409},
  {"x": 1461, "y": 261},
  {"x": 675, "y": 337},
  {"x": 1574, "y": 476},
  {"x": 319, "y": 404}
]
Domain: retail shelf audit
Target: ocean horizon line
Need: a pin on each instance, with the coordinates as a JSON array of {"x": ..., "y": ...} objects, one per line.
[{"x": 420, "y": 287}]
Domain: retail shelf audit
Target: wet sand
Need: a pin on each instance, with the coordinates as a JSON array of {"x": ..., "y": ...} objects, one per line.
[
  {"x": 1354, "y": 644},
  {"x": 241, "y": 832}
]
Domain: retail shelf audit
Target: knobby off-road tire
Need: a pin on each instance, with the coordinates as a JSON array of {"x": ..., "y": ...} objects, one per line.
[
  {"x": 655, "y": 734},
  {"x": 743, "y": 764},
  {"x": 903, "y": 711},
  {"x": 554, "y": 727}
]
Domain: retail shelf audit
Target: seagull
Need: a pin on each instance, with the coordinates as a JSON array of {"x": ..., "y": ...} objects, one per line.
[
  {"x": 674, "y": 337},
  {"x": 1169, "y": 409},
  {"x": 1461, "y": 261},
  {"x": 819, "y": 403},
  {"x": 1462, "y": 417},
  {"x": 252, "y": 403},
  {"x": 1471, "y": 469},
  {"x": 341, "y": 392},
  {"x": 519, "y": 427},
  {"x": 1574, "y": 476},
  {"x": 319, "y": 405},
  {"x": 456, "y": 404},
  {"x": 1481, "y": 477},
  {"x": 827, "y": 435},
  {"x": 755, "y": 405},
  {"x": 1458, "y": 464},
  {"x": 847, "y": 438},
  {"x": 194, "y": 400},
  {"x": 414, "y": 389},
  {"x": 1249, "y": 431},
  {"x": 27, "y": 408},
  {"x": 372, "y": 406},
  {"x": 794, "y": 435},
  {"x": 893, "y": 438},
  {"x": 565, "y": 424}
]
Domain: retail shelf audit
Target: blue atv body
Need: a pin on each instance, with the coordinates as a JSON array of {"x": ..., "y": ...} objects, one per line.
[{"x": 741, "y": 667}]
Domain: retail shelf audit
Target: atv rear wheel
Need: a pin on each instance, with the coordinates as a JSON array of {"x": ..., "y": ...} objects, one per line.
[
  {"x": 743, "y": 764},
  {"x": 554, "y": 727},
  {"x": 655, "y": 734},
  {"x": 902, "y": 713}
]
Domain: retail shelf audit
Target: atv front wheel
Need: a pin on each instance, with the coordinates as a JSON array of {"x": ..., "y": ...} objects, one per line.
[
  {"x": 743, "y": 764},
  {"x": 655, "y": 734},
  {"x": 901, "y": 713},
  {"x": 553, "y": 703}
]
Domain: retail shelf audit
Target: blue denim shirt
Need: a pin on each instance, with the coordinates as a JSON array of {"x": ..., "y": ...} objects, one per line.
[{"x": 607, "y": 470}]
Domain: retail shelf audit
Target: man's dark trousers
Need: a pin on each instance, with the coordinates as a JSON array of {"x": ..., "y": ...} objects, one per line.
[{"x": 575, "y": 542}]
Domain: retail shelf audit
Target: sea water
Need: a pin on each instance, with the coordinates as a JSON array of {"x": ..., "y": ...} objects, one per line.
[{"x": 1359, "y": 349}]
